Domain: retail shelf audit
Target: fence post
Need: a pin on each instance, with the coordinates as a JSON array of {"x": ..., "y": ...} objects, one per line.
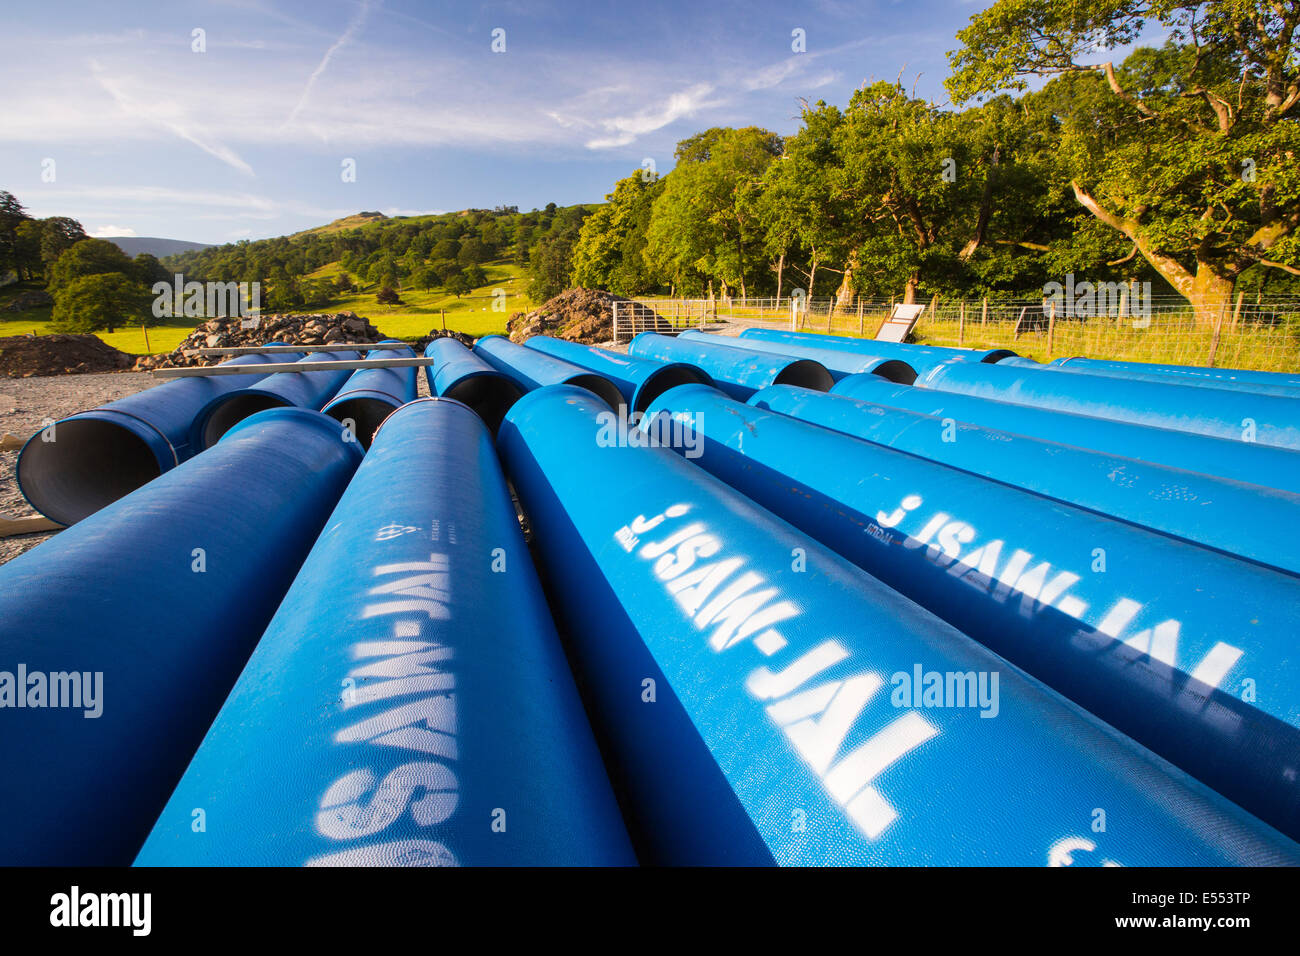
[
  {"x": 984, "y": 312},
  {"x": 1051, "y": 328},
  {"x": 1236, "y": 312},
  {"x": 145, "y": 329},
  {"x": 859, "y": 317},
  {"x": 961, "y": 323},
  {"x": 614, "y": 320}
]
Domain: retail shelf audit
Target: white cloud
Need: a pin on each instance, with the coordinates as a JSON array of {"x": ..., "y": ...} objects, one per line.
[
  {"x": 355, "y": 25},
  {"x": 108, "y": 232}
]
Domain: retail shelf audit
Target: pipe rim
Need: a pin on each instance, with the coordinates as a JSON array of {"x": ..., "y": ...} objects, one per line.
[
  {"x": 317, "y": 420},
  {"x": 891, "y": 370},
  {"x": 67, "y": 492},
  {"x": 599, "y": 386},
  {"x": 678, "y": 375},
  {"x": 806, "y": 373}
]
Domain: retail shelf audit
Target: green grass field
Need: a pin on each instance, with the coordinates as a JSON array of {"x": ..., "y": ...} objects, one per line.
[{"x": 419, "y": 313}]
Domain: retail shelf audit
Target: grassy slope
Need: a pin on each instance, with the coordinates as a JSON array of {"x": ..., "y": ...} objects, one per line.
[{"x": 417, "y": 315}]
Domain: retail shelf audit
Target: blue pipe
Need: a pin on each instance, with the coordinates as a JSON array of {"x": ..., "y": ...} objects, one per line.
[
  {"x": 463, "y": 376},
  {"x": 1187, "y": 374},
  {"x": 164, "y": 593},
  {"x": 283, "y": 389},
  {"x": 1139, "y": 374},
  {"x": 740, "y": 675},
  {"x": 1254, "y": 464},
  {"x": 530, "y": 369},
  {"x": 1189, "y": 652},
  {"x": 92, "y": 458},
  {"x": 920, "y": 357},
  {"x": 372, "y": 394},
  {"x": 639, "y": 381},
  {"x": 1243, "y": 520},
  {"x": 410, "y": 703},
  {"x": 1237, "y": 416},
  {"x": 839, "y": 363},
  {"x": 738, "y": 372}
]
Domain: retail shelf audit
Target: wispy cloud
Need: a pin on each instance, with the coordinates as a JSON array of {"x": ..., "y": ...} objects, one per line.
[
  {"x": 104, "y": 232},
  {"x": 358, "y": 21},
  {"x": 158, "y": 112}
]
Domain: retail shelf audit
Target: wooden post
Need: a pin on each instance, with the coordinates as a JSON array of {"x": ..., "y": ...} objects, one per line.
[
  {"x": 859, "y": 316},
  {"x": 984, "y": 312},
  {"x": 1236, "y": 312},
  {"x": 961, "y": 323},
  {"x": 830, "y": 312},
  {"x": 1051, "y": 328},
  {"x": 145, "y": 329},
  {"x": 442, "y": 314},
  {"x": 1218, "y": 327}
]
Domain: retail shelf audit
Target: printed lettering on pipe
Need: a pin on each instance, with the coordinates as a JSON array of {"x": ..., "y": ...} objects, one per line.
[
  {"x": 165, "y": 592},
  {"x": 1186, "y": 650},
  {"x": 424, "y": 712},
  {"x": 754, "y": 664}
]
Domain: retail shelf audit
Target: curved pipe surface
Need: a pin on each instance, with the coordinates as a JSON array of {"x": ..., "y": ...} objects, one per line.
[
  {"x": 1135, "y": 371},
  {"x": 1155, "y": 640},
  {"x": 640, "y": 381},
  {"x": 155, "y": 601},
  {"x": 1257, "y": 464},
  {"x": 530, "y": 369},
  {"x": 372, "y": 394},
  {"x": 1248, "y": 521},
  {"x": 838, "y": 363},
  {"x": 464, "y": 377},
  {"x": 89, "y": 460},
  {"x": 740, "y": 672},
  {"x": 1238, "y": 416},
  {"x": 920, "y": 357},
  {"x": 303, "y": 389},
  {"x": 1188, "y": 374},
  {"x": 420, "y": 690},
  {"x": 737, "y": 371}
]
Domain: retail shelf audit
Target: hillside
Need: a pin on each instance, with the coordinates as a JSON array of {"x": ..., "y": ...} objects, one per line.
[{"x": 138, "y": 245}]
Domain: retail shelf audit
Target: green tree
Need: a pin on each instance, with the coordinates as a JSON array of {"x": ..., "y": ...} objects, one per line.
[
  {"x": 701, "y": 223},
  {"x": 458, "y": 285},
  {"x": 58, "y": 234},
  {"x": 12, "y": 215},
  {"x": 610, "y": 251},
  {"x": 86, "y": 258},
  {"x": 474, "y": 275},
  {"x": 1188, "y": 151},
  {"x": 103, "y": 301}
]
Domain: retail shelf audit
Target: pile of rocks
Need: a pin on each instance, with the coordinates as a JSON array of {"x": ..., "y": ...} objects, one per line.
[
  {"x": 579, "y": 315},
  {"x": 236, "y": 332}
]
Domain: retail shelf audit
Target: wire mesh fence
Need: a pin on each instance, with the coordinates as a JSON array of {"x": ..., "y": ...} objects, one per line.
[{"x": 1259, "y": 332}]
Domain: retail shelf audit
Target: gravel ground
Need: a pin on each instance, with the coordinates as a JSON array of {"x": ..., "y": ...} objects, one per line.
[{"x": 26, "y": 404}]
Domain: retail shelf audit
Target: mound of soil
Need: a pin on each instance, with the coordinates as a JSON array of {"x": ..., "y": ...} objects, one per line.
[
  {"x": 236, "y": 332},
  {"x": 579, "y": 315},
  {"x": 23, "y": 356}
]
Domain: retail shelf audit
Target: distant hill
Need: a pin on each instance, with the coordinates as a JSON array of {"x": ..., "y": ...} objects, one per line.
[
  {"x": 135, "y": 245},
  {"x": 341, "y": 225}
]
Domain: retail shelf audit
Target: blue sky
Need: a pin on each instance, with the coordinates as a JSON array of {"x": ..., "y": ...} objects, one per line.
[{"x": 248, "y": 138}]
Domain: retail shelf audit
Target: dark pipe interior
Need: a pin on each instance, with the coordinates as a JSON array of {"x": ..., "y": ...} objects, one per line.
[
  {"x": 895, "y": 370},
  {"x": 806, "y": 374},
  {"x": 489, "y": 395},
  {"x": 662, "y": 381},
  {"x": 234, "y": 410},
  {"x": 90, "y": 464},
  {"x": 366, "y": 413}
]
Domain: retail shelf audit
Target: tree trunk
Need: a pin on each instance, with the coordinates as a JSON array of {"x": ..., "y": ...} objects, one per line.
[
  {"x": 845, "y": 291},
  {"x": 909, "y": 291},
  {"x": 780, "y": 268},
  {"x": 1211, "y": 294}
]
